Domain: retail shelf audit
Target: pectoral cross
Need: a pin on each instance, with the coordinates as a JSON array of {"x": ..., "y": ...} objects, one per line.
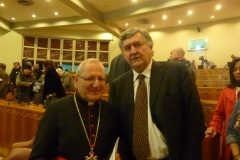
[{"x": 91, "y": 157}]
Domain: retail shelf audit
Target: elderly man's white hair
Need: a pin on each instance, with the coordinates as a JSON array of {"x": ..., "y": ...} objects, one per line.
[
  {"x": 90, "y": 60},
  {"x": 59, "y": 70}
]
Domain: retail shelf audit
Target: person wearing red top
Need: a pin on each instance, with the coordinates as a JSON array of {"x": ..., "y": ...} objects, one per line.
[{"x": 224, "y": 109}]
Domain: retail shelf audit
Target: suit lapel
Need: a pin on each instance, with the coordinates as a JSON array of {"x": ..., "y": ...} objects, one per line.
[{"x": 155, "y": 82}]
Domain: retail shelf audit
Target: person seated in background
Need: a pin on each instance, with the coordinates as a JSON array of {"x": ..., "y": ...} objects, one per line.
[
  {"x": 177, "y": 54},
  {"x": 3, "y": 81},
  {"x": 37, "y": 72},
  {"x": 13, "y": 75},
  {"x": 209, "y": 64},
  {"x": 229, "y": 95},
  {"x": 80, "y": 126},
  {"x": 66, "y": 79},
  {"x": 25, "y": 81},
  {"x": 194, "y": 64}
]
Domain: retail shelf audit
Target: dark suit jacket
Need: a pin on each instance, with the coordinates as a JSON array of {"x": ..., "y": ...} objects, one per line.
[
  {"x": 61, "y": 132},
  {"x": 175, "y": 108}
]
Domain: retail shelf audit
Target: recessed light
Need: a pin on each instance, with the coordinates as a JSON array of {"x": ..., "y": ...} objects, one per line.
[
  {"x": 134, "y": 0},
  {"x": 152, "y": 26},
  {"x": 190, "y": 12},
  {"x": 56, "y": 13},
  {"x": 126, "y": 24},
  {"x": 179, "y": 22},
  {"x": 2, "y": 5},
  {"x": 212, "y": 16},
  {"x": 164, "y": 17},
  {"x": 218, "y": 7},
  {"x": 33, "y": 15},
  {"x": 13, "y": 18}
]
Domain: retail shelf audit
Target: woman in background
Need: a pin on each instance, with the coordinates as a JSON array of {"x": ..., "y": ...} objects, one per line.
[
  {"x": 52, "y": 81},
  {"x": 224, "y": 108}
]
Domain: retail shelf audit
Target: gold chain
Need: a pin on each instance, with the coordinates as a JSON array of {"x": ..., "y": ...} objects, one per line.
[{"x": 83, "y": 123}]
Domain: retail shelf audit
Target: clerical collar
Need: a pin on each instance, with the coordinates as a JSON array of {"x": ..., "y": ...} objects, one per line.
[{"x": 85, "y": 102}]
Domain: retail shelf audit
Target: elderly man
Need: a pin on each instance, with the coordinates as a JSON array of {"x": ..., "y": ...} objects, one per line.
[
  {"x": 67, "y": 80},
  {"x": 177, "y": 55},
  {"x": 160, "y": 110},
  {"x": 79, "y": 126}
]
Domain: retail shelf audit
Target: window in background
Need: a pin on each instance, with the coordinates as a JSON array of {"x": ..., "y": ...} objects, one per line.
[{"x": 68, "y": 53}]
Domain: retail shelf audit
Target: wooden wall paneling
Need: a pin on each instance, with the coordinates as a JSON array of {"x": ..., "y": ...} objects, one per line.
[{"x": 14, "y": 122}]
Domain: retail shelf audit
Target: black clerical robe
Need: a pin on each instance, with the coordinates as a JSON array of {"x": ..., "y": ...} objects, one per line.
[{"x": 61, "y": 132}]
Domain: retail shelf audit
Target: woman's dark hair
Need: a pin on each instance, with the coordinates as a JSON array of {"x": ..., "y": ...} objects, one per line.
[
  {"x": 48, "y": 65},
  {"x": 233, "y": 82}
]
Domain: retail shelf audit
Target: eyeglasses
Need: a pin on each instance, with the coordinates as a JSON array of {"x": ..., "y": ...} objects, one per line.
[{"x": 93, "y": 79}]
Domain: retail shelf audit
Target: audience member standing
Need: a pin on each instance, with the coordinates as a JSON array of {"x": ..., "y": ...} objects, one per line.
[
  {"x": 37, "y": 72},
  {"x": 118, "y": 66},
  {"x": 13, "y": 75},
  {"x": 67, "y": 80},
  {"x": 3, "y": 81},
  {"x": 52, "y": 81},
  {"x": 25, "y": 81},
  {"x": 226, "y": 102},
  {"x": 174, "y": 124}
]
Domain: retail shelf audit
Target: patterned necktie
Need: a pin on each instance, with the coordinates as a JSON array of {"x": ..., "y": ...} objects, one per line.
[{"x": 141, "y": 149}]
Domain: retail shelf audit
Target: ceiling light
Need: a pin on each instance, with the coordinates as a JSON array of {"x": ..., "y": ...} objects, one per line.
[
  {"x": 179, "y": 22},
  {"x": 134, "y": 0},
  {"x": 2, "y": 5},
  {"x": 33, "y": 15},
  {"x": 152, "y": 26},
  {"x": 218, "y": 7},
  {"x": 212, "y": 16},
  {"x": 164, "y": 17},
  {"x": 56, "y": 13},
  {"x": 190, "y": 12},
  {"x": 126, "y": 24},
  {"x": 13, "y": 18}
]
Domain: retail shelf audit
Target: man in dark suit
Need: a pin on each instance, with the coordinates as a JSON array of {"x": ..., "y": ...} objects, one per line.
[{"x": 175, "y": 117}]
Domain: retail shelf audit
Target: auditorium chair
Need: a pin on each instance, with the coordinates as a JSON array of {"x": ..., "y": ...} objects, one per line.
[
  {"x": 20, "y": 150},
  {"x": 211, "y": 148}
]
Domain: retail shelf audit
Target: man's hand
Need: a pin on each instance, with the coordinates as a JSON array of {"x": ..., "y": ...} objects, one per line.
[{"x": 210, "y": 132}]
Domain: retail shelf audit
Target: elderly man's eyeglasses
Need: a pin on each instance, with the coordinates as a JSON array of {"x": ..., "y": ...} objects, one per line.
[{"x": 93, "y": 79}]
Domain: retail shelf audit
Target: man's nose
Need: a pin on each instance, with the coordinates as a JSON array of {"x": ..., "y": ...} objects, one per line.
[{"x": 133, "y": 49}]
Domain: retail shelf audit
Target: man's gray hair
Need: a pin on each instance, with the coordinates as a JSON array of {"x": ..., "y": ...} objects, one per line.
[
  {"x": 90, "y": 60},
  {"x": 130, "y": 32}
]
